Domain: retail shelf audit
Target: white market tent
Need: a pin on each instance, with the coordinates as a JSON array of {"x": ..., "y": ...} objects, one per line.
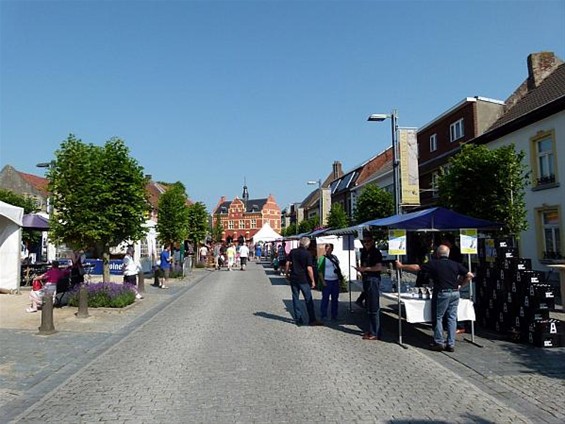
[
  {"x": 266, "y": 234},
  {"x": 10, "y": 245}
]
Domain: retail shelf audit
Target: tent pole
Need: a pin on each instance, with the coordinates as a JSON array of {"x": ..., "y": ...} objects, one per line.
[
  {"x": 398, "y": 285},
  {"x": 473, "y": 301},
  {"x": 349, "y": 270}
]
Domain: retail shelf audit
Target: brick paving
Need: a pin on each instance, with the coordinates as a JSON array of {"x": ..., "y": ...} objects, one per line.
[{"x": 223, "y": 349}]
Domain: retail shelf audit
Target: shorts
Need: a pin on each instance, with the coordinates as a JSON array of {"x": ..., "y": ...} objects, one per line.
[
  {"x": 165, "y": 272},
  {"x": 243, "y": 260}
]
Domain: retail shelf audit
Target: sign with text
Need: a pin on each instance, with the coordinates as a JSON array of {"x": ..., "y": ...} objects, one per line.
[
  {"x": 397, "y": 242},
  {"x": 468, "y": 241},
  {"x": 409, "y": 174}
]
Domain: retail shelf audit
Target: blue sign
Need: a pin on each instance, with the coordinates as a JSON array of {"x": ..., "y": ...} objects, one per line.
[{"x": 115, "y": 266}]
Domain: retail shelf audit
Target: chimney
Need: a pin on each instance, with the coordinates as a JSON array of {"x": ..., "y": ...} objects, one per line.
[
  {"x": 336, "y": 170},
  {"x": 540, "y": 66}
]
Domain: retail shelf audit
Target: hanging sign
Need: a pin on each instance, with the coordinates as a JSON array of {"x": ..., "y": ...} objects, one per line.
[
  {"x": 468, "y": 241},
  {"x": 397, "y": 242}
]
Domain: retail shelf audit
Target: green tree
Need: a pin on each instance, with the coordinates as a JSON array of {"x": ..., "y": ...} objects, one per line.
[
  {"x": 173, "y": 214},
  {"x": 487, "y": 184},
  {"x": 308, "y": 224},
  {"x": 197, "y": 223},
  {"x": 98, "y": 194},
  {"x": 27, "y": 203},
  {"x": 290, "y": 230},
  {"x": 337, "y": 217},
  {"x": 373, "y": 203},
  {"x": 217, "y": 229}
]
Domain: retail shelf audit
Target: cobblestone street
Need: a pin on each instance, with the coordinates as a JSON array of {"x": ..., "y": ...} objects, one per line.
[{"x": 225, "y": 350}]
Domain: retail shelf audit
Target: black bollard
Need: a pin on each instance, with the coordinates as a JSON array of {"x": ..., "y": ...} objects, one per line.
[
  {"x": 82, "y": 302},
  {"x": 141, "y": 282},
  {"x": 47, "y": 326}
]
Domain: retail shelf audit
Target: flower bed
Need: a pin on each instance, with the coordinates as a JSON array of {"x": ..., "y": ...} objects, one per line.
[{"x": 105, "y": 295}]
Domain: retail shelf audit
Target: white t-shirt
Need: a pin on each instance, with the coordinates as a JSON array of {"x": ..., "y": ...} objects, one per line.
[
  {"x": 131, "y": 267},
  {"x": 244, "y": 251},
  {"x": 330, "y": 270}
]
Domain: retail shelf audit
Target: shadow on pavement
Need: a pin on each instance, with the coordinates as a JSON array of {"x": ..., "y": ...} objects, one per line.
[{"x": 268, "y": 315}]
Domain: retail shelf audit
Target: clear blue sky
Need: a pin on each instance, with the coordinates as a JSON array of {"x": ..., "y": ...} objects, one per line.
[{"x": 210, "y": 92}]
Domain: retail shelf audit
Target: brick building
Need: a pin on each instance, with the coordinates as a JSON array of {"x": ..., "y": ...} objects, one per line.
[{"x": 244, "y": 217}]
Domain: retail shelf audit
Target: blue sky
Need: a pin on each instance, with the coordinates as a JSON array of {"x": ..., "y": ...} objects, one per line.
[{"x": 211, "y": 92}]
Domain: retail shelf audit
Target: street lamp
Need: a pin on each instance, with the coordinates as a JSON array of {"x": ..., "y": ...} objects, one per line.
[
  {"x": 321, "y": 209},
  {"x": 393, "y": 116}
]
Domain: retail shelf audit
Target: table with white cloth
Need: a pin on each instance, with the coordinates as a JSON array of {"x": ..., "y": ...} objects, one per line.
[{"x": 420, "y": 310}]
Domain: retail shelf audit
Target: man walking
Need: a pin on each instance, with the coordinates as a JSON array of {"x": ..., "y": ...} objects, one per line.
[
  {"x": 243, "y": 255},
  {"x": 299, "y": 269},
  {"x": 165, "y": 266},
  {"x": 448, "y": 277},
  {"x": 329, "y": 276},
  {"x": 370, "y": 268}
]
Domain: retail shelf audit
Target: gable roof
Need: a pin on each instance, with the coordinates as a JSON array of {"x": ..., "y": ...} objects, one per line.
[
  {"x": 253, "y": 205},
  {"x": 550, "y": 89},
  {"x": 39, "y": 183}
]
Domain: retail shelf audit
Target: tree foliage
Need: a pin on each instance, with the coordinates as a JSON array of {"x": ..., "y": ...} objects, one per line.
[
  {"x": 308, "y": 224},
  {"x": 373, "y": 203},
  {"x": 217, "y": 229},
  {"x": 98, "y": 195},
  {"x": 27, "y": 203},
  {"x": 290, "y": 230},
  {"x": 197, "y": 223},
  {"x": 337, "y": 217},
  {"x": 173, "y": 214},
  {"x": 487, "y": 184}
]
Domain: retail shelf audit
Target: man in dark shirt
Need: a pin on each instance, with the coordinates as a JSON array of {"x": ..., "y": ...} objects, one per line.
[
  {"x": 299, "y": 269},
  {"x": 448, "y": 276},
  {"x": 370, "y": 268}
]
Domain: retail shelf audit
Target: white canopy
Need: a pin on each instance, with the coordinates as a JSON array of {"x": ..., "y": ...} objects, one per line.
[
  {"x": 10, "y": 245},
  {"x": 266, "y": 234}
]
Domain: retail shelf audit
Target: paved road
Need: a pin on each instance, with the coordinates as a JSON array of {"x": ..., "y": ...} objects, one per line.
[{"x": 226, "y": 351}]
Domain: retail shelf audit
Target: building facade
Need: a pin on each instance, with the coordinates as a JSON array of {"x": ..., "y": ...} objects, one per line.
[{"x": 244, "y": 217}]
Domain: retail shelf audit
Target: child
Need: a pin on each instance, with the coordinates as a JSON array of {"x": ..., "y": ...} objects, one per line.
[{"x": 36, "y": 296}]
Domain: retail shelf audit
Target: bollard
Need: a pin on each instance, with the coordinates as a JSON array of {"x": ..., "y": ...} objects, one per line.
[
  {"x": 141, "y": 282},
  {"x": 47, "y": 326},
  {"x": 82, "y": 302}
]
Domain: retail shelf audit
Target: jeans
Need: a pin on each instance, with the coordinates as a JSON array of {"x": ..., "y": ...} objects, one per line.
[
  {"x": 447, "y": 302},
  {"x": 307, "y": 293},
  {"x": 330, "y": 289},
  {"x": 372, "y": 289}
]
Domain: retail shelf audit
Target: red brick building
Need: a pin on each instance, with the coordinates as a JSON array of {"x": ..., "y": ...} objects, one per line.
[{"x": 244, "y": 217}]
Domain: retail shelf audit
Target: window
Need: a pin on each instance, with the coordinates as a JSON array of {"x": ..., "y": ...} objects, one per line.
[
  {"x": 241, "y": 224},
  {"x": 253, "y": 223},
  {"x": 230, "y": 225},
  {"x": 543, "y": 160},
  {"x": 433, "y": 142},
  {"x": 549, "y": 232},
  {"x": 456, "y": 130}
]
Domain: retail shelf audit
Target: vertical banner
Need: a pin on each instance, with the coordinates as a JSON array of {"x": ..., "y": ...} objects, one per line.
[
  {"x": 397, "y": 242},
  {"x": 409, "y": 177},
  {"x": 468, "y": 241}
]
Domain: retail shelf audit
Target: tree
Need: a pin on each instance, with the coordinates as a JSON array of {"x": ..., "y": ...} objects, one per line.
[
  {"x": 487, "y": 184},
  {"x": 290, "y": 230},
  {"x": 173, "y": 214},
  {"x": 27, "y": 203},
  {"x": 197, "y": 223},
  {"x": 337, "y": 217},
  {"x": 308, "y": 224},
  {"x": 217, "y": 229},
  {"x": 30, "y": 206},
  {"x": 98, "y": 195},
  {"x": 373, "y": 203}
]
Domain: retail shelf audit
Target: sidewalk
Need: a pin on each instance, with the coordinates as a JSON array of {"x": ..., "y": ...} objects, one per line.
[{"x": 32, "y": 364}]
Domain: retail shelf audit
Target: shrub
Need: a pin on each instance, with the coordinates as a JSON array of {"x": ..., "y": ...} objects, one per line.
[{"x": 106, "y": 295}]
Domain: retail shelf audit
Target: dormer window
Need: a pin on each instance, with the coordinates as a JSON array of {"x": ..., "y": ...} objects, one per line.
[{"x": 456, "y": 130}]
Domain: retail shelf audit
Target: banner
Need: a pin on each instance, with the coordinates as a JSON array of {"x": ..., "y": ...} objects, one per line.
[
  {"x": 397, "y": 242},
  {"x": 409, "y": 176},
  {"x": 468, "y": 241}
]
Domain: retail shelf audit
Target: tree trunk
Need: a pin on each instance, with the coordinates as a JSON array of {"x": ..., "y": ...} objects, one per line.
[{"x": 106, "y": 264}]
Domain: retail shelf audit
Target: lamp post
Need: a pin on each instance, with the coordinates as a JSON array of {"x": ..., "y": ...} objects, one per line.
[
  {"x": 49, "y": 206},
  {"x": 393, "y": 116},
  {"x": 320, "y": 200}
]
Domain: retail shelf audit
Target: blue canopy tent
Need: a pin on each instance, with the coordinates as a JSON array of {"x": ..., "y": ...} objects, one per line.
[{"x": 433, "y": 219}]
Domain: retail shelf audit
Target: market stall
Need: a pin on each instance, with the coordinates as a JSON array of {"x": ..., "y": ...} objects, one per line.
[{"x": 10, "y": 246}]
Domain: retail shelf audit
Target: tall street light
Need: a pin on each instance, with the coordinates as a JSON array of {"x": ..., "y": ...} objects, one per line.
[
  {"x": 49, "y": 206},
  {"x": 393, "y": 116},
  {"x": 321, "y": 208}
]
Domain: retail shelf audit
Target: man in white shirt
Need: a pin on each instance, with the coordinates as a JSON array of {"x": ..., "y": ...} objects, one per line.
[{"x": 243, "y": 255}]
